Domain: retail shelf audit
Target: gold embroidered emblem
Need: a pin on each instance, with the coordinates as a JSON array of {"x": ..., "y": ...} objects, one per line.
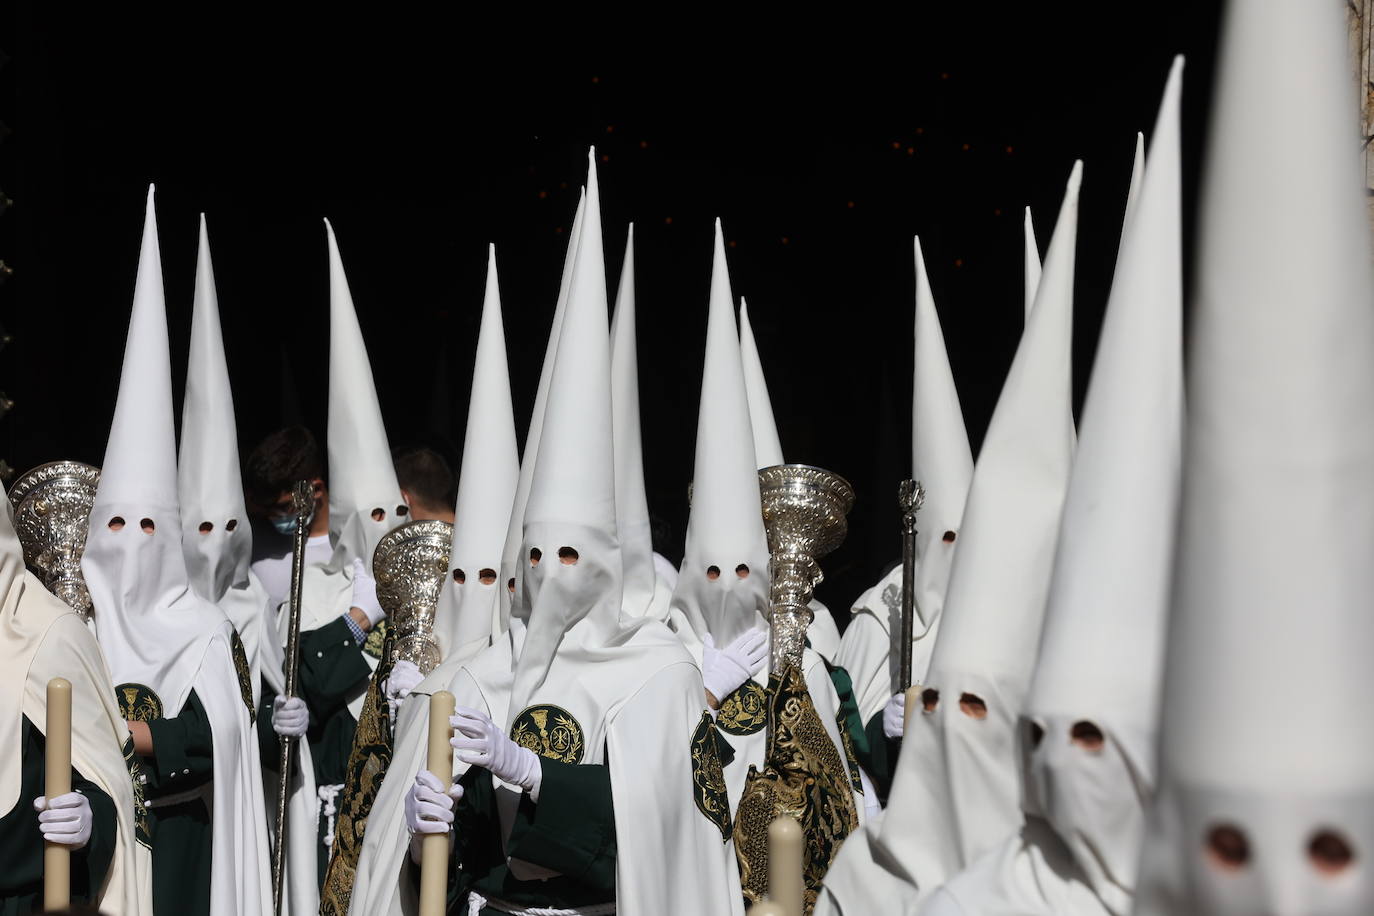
[
  {"x": 708, "y": 777},
  {"x": 744, "y": 712},
  {"x": 245, "y": 679},
  {"x": 138, "y": 702},
  {"x": 376, "y": 639},
  {"x": 142, "y": 834},
  {"x": 549, "y": 731}
]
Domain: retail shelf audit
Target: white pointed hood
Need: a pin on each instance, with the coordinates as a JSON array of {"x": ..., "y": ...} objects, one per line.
[
  {"x": 364, "y": 498},
  {"x": 1102, "y": 650},
  {"x": 767, "y": 445},
  {"x": 631, "y": 502},
  {"x": 146, "y": 617},
  {"x": 725, "y": 534},
  {"x": 1032, "y": 260},
  {"x": 215, "y": 534},
  {"x": 510, "y": 552},
  {"x": 1266, "y": 745},
  {"x": 940, "y": 456},
  {"x": 471, "y": 594},
  {"x": 963, "y": 777},
  {"x": 571, "y": 570}
]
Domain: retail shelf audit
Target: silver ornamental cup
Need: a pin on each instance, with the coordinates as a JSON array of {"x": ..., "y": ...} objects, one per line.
[
  {"x": 804, "y": 511},
  {"x": 409, "y": 564},
  {"x": 52, "y": 513}
]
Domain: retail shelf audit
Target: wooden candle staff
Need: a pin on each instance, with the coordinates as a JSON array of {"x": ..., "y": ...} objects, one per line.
[
  {"x": 57, "y": 859},
  {"x": 434, "y": 847},
  {"x": 786, "y": 886}
]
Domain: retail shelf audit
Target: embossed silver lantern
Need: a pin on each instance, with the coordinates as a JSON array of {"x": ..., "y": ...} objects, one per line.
[
  {"x": 804, "y": 511},
  {"x": 409, "y": 564},
  {"x": 52, "y": 511}
]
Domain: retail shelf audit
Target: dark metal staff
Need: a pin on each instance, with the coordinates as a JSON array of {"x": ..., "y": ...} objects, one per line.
[
  {"x": 910, "y": 496},
  {"x": 302, "y": 506}
]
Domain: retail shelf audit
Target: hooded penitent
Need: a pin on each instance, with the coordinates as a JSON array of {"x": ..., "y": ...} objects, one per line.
[
  {"x": 467, "y": 605},
  {"x": 1266, "y": 785},
  {"x": 218, "y": 544},
  {"x": 645, "y": 596},
  {"x": 957, "y": 786},
  {"x": 510, "y": 552},
  {"x": 471, "y": 595},
  {"x": 161, "y": 640},
  {"x": 943, "y": 463},
  {"x": 1088, "y": 734},
  {"x": 627, "y": 694},
  {"x": 42, "y": 638},
  {"x": 723, "y": 588}
]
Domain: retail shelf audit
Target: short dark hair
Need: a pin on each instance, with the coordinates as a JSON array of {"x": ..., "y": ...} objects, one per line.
[
  {"x": 278, "y": 461},
  {"x": 426, "y": 476}
]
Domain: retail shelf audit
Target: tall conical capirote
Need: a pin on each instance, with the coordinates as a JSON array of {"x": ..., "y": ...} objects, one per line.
[
  {"x": 1266, "y": 790},
  {"x": 631, "y": 501},
  {"x": 364, "y": 498},
  {"x": 940, "y": 457},
  {"x": 510, "y": 567},
  {"x": 216, "y": 537},
  {"x": 767, "y": 445},
  {"x": 471, "y": 595},
  {"x": 571, "y": 569},
  {"x": 722, "y": 589}
]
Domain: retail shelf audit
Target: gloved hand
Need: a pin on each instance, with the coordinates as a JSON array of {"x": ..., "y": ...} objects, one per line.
[
  {"x": 429, "y": 809},
  {"x": 398, "y": 685},
  {"x": 365, "y": 593},
  {"x": 480, "y": 742},
  {"x": 724, "y": 670},
  {"x": 894, "y": 716},
  {"x": 66, "y": 820},
  {"x": 290, "y": 716}
]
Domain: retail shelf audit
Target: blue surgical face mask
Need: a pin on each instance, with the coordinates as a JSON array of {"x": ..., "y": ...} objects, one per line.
[{"x": 285, "y": 525}]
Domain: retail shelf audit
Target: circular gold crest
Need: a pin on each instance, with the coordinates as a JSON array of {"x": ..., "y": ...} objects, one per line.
[
  {"x": 138, "y": 702},
  {"x": 744, "y": 712},
  {"x": 549, "y": 731}
]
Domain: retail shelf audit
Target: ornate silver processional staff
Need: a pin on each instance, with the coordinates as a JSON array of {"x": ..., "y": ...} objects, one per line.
[
  {"x": 910, "y": 497},
  {"x": 302, "y": 506}
]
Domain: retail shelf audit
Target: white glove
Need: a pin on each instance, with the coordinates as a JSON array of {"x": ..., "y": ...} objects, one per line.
[
  {"x": 724, "y": 670},
  {"x": 365, "y": 593},
  {"x": 290, "y": 716},
  {"x": 66, "y": 820},
  {"x": 481, "y": 743},
  {"x": 894, "y": 716},
  {"x": 429, "y": 809},
  {"x": 405, "y": 675}
]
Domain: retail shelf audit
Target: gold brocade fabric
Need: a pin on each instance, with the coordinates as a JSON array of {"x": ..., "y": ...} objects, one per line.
[
  {"x": 367, "y": 765},
  {"x": 245, "y": 679},
  {"x": 803, "y": 777},
  {"x": 708, "y": 777}
]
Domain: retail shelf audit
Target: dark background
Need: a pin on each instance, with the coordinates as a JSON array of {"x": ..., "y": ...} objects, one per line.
[{"x": 823, "y": 146}]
